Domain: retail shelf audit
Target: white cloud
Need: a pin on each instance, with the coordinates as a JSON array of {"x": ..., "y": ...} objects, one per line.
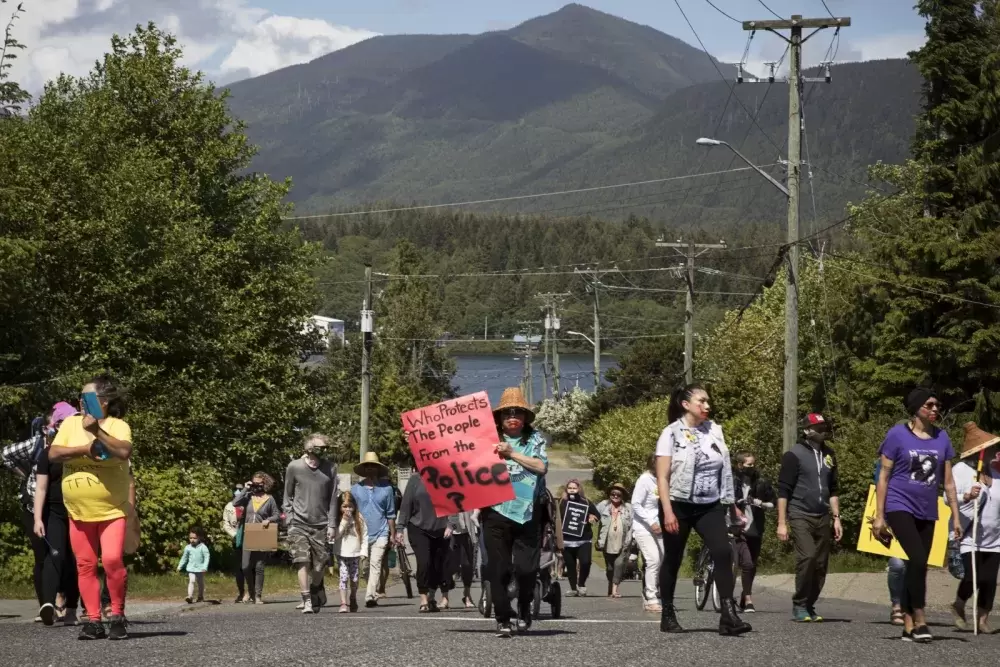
[{"x": 221, "y": 37}]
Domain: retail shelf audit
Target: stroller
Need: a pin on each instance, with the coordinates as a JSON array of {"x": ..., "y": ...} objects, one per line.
[{"x": 546, "y": 590}]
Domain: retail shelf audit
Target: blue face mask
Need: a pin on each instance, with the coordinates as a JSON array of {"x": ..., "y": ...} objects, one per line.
[{"x": 237, "y": 492}]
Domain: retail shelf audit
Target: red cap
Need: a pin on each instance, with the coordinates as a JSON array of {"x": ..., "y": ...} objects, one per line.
[{"x": 814, "y": 419}]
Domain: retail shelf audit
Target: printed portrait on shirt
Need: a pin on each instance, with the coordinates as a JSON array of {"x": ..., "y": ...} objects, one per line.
[{"x": 923, "y": 467}]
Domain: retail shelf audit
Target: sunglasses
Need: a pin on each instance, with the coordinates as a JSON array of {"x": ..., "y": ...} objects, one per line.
[
  {"x": 512, "y": 413},
  {"x": 616, "y": 494},
  {"x": 932, "y": 405}
]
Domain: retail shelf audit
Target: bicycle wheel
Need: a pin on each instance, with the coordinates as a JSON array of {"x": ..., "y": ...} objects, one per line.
[
  {"x": 486, "y": 602},
  {"x": 405, "y": 573},
  {"x": 716, "y": 602},
  {"x": 704, "y": 591},
  {"x": 536, "y": 604}
]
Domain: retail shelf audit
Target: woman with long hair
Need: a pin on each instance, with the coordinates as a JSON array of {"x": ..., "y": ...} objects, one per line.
[
  {"x": 578, "y": 549},
  {"x": 259, "y": 506},
  {"x": 429, "y": 536},
  {"x": 915, "y": 456},
  {"x": 94, "y": 450},
  {"x": 695, "y": 481},
  {"x": 615, "y": 536}
]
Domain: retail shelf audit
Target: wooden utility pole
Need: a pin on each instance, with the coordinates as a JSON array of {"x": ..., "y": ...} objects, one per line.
[
  {"x": 529, "y": 379},
  {"x": 593, "y": 278},
  {"x": 550, "y": 301},
  {"x": 367, "y": 330},
  {"x": 795, "y": 81},
  {"x": 692, "y": 252}
]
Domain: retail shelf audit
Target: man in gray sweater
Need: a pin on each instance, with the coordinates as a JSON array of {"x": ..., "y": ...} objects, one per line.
[{"x": 310, "y": 508}]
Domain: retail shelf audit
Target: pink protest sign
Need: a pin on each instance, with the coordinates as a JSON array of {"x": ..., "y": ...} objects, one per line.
[{"x": 453, "y": 448}]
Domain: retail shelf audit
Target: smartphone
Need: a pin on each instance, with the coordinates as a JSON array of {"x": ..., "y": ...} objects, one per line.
[{"x": 91, "y": 405}]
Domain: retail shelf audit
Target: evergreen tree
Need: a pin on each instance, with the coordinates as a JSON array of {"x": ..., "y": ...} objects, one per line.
[{"x": 935, "y": 312}]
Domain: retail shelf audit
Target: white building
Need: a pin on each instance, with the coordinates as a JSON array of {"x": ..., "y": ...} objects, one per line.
[{"x": 329, "y": 328}]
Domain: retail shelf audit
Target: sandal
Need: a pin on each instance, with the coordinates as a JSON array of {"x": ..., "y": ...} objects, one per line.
[
  {"x": 444, "y": 606},
  {"x": 343, "y": 609},
  {"x": 424, "y": 609},
  {"x": 467, "y": 601},
  {"x": 896, "y": 618},
  {"x": 432, "y": 605},
  {"x": 616, "y": 595}
]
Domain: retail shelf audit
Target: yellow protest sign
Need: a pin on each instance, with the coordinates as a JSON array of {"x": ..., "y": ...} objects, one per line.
[{"x": 868, "y": 543}]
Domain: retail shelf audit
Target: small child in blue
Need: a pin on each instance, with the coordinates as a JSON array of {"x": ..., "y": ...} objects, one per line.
[{"x": 194, "y": 561}]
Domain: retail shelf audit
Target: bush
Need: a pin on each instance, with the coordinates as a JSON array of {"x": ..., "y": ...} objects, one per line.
[
  {"x": 565, "y": 418},
  {"x": 620, "y": 441},
  {"x": 171, "y": 501}
]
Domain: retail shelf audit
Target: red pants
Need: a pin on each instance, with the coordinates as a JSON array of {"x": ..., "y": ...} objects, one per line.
[{"x": 107, "y": 537}]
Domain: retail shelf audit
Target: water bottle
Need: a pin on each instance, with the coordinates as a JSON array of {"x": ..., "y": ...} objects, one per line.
[{"x": 392, "y": 558}]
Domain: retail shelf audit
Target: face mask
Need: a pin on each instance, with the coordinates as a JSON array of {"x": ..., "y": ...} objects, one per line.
[
  {"x": 574, "y": 496},
  {"x": 237, "y": 492}
]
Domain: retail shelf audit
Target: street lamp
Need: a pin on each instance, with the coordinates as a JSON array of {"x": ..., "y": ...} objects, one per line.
[
  {"x": 597, "y": 360},
  {"x": 705, "y": 141}
]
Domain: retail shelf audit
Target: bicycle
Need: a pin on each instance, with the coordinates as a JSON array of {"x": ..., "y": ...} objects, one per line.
[
  {"x": 405, "y": 571},
  {"x": 704, "y": 571}
]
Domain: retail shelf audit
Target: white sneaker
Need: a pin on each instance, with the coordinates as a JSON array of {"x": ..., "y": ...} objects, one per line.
[
  {"x": 583, "y": 591},
  {"x": 307, "y": 607},
  {"x": 300, "y": 606}
]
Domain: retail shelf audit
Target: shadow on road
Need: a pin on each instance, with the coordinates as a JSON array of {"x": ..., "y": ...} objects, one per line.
[
  {"x": 529, "y": 633},
  {"x": 165, "y": 633}
]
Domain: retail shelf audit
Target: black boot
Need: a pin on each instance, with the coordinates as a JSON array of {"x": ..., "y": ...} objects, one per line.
[
  {"x": 668, "y": 620},
  {"x": 730, "y": 622}
]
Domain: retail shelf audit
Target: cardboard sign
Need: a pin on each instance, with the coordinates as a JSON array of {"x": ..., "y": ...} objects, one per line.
[
  {"x": 257, "y": 537},
  {"x": 575, "y": 519},
  {"x": 868, "y": 543},
  {"x": 452, "y": 446}
]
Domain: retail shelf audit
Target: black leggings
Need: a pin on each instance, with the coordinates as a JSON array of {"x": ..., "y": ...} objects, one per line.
[
  {"x": 915, "y": 537},
  {"x": 512, "y": 552},
  {"x": 38, "y": 549},
  {"x": 709, "y": 521},
  {"x": 581, "y": 555},
  {"x": 431, "y": 551},
  {"x": 747, "y": 553},
  {"x": 987, "y": 565},
  {"x": 461, "y": 559}
]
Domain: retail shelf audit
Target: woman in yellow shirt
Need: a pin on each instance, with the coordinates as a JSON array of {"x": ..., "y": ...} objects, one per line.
[{"x": 95, "y": 456}]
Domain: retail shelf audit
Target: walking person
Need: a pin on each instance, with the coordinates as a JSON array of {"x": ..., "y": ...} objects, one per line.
[
  {"x": 578, "y": 549},
  {"x": 695, "y": 480},
  {"x": 895, "y": 570},
  {"x": 94, "y": 451},
  {"x": 194, "y": 561},
  {"x": 232, "y": 524},
  {"x": 511, "y": 531},
  {"x": 916, "y": 459},
  {"x": 429, "y": 536},
  {"x": 51, "y": 528},
  {"x": 310, "y": 508},
  {"x": 383, "y": 574},
  {"x": 615, "y": 536},
  {"x": 754, "y": 495},
  {"x": 809, "y": 511},
  {"x": 984, "y": 546},
  {"x": 462, "y": 554},
  {"x": 376, "y": 500},
  {"x": 648, "y": 533},
  {"x": 350, "y": 547},
  {"x": 258, "y": 506}
]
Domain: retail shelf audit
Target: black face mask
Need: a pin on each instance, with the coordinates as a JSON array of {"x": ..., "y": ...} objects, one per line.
[
  {"x": 749, "y": 475},
  {"x": 573, "y": 496}
]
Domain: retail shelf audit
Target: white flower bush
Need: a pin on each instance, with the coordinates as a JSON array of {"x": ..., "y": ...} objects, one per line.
[{"x": 564, "y": 419}]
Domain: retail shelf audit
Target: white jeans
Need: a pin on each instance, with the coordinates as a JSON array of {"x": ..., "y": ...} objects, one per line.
[
  {"x": 196, "y": 579},
  {"x": 377, "y": 550},
  {"x": 652, "y": 555}
]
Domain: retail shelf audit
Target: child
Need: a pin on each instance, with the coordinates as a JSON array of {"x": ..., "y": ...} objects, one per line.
[
  {"x": 350, "y": 546},
  {"x": 194, "y": 561}
]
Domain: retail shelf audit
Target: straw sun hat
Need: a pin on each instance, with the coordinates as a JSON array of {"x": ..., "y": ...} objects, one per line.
[
  {"x": 513, "y": 397},
  {"x": 371, "y": 459},
  {"x": 976, "y": 440}
]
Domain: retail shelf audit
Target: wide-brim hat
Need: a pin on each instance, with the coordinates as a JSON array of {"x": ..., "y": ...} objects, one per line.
[
  {"x": 976, "y": 440},
  {"x": 371, "y": 459},
  {"x": 513, "y": 397},
  {"x": 620, "y": 487}
]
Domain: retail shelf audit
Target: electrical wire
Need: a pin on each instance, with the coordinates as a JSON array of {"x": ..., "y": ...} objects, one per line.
[
  {"x": 713, "y": 6},
  {"x": 776, "y": 14},
  {"x": 716, "y": 65},
  {"x": 827, "y": 8},
  {"x": 511, "y": 198}
]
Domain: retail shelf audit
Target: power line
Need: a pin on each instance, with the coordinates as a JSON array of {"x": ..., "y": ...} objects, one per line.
[
  {"x": 776, "y": 14},
  {"x": 724, "y": 79},
  {"x": 712, "y": 4},
  {"x": 827, "y": 8},
  {"x": 512, "y": 198}
]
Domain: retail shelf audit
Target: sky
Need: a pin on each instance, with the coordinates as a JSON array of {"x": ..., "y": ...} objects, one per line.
[{"x": 234, "y": 39}]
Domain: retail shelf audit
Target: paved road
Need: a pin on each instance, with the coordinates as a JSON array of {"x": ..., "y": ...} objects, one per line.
[{"x": 595, "y": 631}]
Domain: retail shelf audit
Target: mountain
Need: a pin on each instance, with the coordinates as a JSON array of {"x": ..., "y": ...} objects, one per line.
[{"x": 574, "y": 99}]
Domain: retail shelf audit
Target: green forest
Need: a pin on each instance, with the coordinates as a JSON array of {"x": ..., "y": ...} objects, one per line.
[{"x": 136, "y": 239}]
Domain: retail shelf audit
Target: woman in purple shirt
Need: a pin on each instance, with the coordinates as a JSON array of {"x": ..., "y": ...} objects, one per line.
[{"x": 916, "y": 459}]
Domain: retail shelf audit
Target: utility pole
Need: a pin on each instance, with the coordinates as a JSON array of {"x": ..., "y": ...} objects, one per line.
[
  {"x": 529, "y": 380},
  {"x": 593, "y": 278},
  {"x": 692, "y": 252},
  {"x": 367, "y": 330},
  {"x": 795, "y": 81},
  {"x": 549, "y": 302}
]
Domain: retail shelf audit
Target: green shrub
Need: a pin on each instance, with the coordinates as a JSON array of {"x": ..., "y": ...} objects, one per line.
[
  {"x": 619, "y": 442},
  {"x": 171, "y": 501},
  {"x": 564, "y": 419}
]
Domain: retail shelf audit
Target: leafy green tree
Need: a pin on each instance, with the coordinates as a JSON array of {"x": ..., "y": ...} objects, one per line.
[
  {"x": 12, "y": 96},
  {"x": 648, "y": 370},
  {"x": 159, "y": 258}
]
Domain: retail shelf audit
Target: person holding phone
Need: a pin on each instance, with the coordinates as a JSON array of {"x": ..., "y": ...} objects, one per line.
[{"x": 94, "y": 449}]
